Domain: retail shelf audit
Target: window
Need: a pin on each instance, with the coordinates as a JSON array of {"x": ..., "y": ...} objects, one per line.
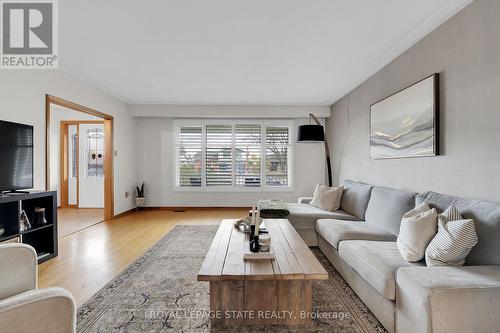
[
  {"x": 189, "y": 157},
  {"x": 74, "y": 159},
  {"x": 247, "y": 155},
  {"x": 218, "y": 155},
  {"x": 219, "y": 160},
  {"x": 277, "y": 151},
  {"x": 95, "y": 153}
]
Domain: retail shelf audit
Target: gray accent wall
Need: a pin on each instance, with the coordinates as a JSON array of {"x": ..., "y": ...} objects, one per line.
[{"x": 465, "y": 51}]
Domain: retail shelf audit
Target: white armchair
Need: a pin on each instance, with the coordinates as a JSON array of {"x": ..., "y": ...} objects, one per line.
[{"x": 23, "y": 307}]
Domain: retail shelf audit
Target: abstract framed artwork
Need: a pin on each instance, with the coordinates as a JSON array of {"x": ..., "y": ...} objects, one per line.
[{"x": 405, "y": 124}]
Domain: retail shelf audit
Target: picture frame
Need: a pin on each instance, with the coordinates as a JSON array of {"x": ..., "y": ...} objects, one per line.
[{"x": 406, "y": 123}]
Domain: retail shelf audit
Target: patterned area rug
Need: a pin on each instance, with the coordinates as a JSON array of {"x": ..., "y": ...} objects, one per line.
[{"x": 159, "y": 293}]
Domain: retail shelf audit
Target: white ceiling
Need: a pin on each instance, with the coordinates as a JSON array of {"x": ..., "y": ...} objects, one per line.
[{"x": 236, "y": 52}]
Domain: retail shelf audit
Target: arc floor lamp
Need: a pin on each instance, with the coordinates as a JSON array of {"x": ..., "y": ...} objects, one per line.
[{"x": 316, "y": 133}]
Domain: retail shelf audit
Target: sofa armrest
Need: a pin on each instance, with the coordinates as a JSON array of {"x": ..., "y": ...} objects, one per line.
[
  {"x": 20, "y": 269},
  {"x": 448, "y": 299},
  {"x": 304, "y": 200},
  {"x": 39, "y": 311}
]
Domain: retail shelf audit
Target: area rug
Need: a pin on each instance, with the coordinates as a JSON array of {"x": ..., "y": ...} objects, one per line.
[{"x": 159, "y": 293}]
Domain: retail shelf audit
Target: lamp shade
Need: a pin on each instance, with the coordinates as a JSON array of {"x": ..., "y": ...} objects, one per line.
[{"x": 310, "y": 133}]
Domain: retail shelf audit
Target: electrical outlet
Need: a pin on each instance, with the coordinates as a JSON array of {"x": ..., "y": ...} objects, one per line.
[{"x": 127, "y": 194}]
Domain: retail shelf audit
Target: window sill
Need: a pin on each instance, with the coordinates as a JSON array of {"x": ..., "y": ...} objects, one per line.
[{"x": 288, "y": 189}]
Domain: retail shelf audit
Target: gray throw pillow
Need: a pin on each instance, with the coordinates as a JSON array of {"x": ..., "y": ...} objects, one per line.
[{"x": 454, "y": 240}]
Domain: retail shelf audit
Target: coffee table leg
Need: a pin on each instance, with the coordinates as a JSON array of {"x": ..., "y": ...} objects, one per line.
[
  {"x": 285, "y": 302},
  {"x": 295, "y": 298},
  {"x": 261, "y": 298},
  {"x": 226, "y": 296}
]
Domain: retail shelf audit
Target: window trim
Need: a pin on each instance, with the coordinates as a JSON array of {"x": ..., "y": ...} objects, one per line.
[{"x": 177, "y": 123}]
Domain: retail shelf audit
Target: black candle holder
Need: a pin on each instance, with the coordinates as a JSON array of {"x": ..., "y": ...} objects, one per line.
[{"x": 254, "y": 244}]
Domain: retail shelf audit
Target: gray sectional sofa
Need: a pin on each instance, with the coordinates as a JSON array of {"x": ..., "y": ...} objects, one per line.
[{"x": 360, "y": 242}]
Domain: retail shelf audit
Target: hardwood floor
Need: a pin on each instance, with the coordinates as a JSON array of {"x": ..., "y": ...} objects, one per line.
[
  {"x": 90, "y": 258},
  {"x": 71, "y": 220}
]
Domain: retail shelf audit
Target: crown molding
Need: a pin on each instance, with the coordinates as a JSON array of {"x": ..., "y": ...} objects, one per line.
[
  {"x": 93, "y": 83},
  {"x": 228, "y": 111}
]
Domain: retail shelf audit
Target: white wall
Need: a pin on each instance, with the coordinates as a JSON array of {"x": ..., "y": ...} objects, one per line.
[
  {"x": 144, "y": 145},
  {"x": 22, "y": 99},
  {"x": 156, "y": 167},
  {"x": 466, "y": 52}
]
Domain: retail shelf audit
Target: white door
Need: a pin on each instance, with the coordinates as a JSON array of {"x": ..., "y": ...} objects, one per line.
[{"x": 91, "y": 170}]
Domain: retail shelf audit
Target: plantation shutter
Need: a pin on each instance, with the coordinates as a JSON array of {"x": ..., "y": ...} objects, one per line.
[
  {"x": 224, "y": 156},
  {"x": 247, "y": 152},
  {"x": 219, "y": 155},
  {"x": 277, "y": 156},
  {"x": 189, "y": 156}
]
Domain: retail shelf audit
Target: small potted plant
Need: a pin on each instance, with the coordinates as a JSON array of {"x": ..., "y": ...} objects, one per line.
[{"x": 140, "y": 199}]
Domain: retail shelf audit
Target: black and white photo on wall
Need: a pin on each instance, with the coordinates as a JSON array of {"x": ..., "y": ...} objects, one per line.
[{"x": 405, "y": 124}]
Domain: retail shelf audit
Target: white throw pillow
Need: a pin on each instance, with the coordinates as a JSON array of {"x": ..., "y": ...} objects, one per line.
[
  {"x": 327, "y": 198},
  {"x": 418, "y": 228},
  {"x": 454, "y": 240}
]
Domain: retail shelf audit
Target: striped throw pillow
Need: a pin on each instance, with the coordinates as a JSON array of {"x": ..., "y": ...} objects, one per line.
[{"x": 454, "y": 240}]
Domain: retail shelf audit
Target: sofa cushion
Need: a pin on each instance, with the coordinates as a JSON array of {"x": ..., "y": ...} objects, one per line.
[
  {"x": 305, "y": 216},
  {"x": 486, "y": 216},
  {"x": 376, "y": 262},
  {"x": 335, "y": 231},
  {"x": 355, "y": 198},
  {"x": 387, "y": 207}
]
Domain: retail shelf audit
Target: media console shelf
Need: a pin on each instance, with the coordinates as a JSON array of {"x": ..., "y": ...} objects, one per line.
[{"x": 42, "y": 237}]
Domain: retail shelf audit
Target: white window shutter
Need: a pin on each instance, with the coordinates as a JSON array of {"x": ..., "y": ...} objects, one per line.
[
  {"x": 219, "y": 155},
  {"x": 189, "y": 156},
  {"x": 248, "y": 146}
]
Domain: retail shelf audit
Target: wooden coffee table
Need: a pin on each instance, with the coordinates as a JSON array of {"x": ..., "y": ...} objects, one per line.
[{"x": 260, "y": 292}]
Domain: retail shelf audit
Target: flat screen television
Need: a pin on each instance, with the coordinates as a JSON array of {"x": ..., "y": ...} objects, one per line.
[{"x": 16, "y": 156}]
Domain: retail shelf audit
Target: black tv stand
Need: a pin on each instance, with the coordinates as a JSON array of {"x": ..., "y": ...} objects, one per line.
[
  {"x": 15, "y": 192},
  {"x": 43, "y": 237}
]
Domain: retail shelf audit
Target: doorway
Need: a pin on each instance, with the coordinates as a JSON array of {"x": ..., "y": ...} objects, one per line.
[
  {"x": 81, "y": 171},
  {"x": 79, "y": 164}
]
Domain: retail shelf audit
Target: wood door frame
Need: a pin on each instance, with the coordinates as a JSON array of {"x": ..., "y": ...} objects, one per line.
[
  {"x": 64, "y": 160},
  {"x": 108, "y": 147}
]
